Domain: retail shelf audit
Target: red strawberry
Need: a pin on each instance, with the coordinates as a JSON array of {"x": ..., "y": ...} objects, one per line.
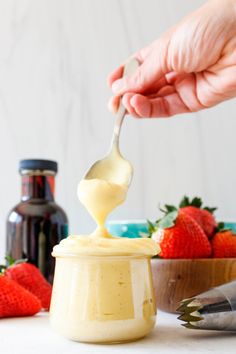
[
  {"x": 29, "y": 276},
  {"x": 15, "y": 300},
  {"x": 179, "y": 236},
  {"x": 224, "y": 244},
  {"x": 203, "y": 216}
]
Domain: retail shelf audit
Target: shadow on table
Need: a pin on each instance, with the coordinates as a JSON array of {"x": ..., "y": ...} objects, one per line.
[{"x": 181, "y": 337}]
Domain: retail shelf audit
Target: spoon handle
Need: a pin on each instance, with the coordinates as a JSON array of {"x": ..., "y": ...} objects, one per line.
[{"x": 129, "y": 69}]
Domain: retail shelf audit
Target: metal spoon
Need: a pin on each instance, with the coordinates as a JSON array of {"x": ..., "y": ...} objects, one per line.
[{"x": 114, "y": 167}]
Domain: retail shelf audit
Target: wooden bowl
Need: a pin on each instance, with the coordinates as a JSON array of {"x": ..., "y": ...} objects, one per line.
[{"x": 178, "y": 279}]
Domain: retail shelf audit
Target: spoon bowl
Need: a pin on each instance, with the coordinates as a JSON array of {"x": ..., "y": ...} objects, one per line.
[{"x": 113, "y": 168}]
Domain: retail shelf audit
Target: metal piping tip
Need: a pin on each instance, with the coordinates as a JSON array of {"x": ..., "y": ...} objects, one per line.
[
  {"x": 188, "y": 325},
  {"x": 190, "y": 317},
  {"x": 214, "y": 309},
  {"x": 188, "y": 309},
  {"x": 183, "y": 305},
  {"x": 189, "y": 312}
]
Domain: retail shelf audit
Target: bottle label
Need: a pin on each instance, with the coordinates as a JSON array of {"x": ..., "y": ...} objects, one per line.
[{"x": 38, "y": 186}]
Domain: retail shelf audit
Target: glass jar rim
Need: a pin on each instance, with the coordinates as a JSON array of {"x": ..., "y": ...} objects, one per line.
[{"x": 102, "y": 255}]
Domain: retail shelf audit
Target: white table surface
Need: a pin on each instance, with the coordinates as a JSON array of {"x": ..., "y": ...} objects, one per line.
[{"x": 33, "y": 335}]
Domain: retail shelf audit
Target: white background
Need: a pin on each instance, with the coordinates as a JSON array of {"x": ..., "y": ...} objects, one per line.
[{"x": 54, "y": 59}]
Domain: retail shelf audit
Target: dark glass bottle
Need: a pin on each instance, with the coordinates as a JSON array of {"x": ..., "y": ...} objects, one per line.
[{"x": 37, "y": 223}]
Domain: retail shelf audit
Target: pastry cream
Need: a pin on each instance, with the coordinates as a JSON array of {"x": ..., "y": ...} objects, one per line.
[
  {"x": 102, "y": 289},
  {"x": 100, "y": 197}
]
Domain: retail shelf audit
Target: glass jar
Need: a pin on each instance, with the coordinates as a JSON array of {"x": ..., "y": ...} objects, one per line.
[{"x": 103, "y": 299}]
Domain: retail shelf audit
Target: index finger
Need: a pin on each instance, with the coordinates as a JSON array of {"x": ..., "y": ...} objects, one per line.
[
  {"x": 118, "y": 72},
  {"x": 115, "y": 75}
]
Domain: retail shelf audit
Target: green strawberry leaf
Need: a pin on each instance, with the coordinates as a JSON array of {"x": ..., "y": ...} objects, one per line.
[
  {"x": 196, "y": 202},
  {"x": 184, "y": 202},
  {"x": 167, "y": 208},
  {"x": 170, "y": 208},
  {"x": 10, "y": 260},
  {"x": 151, "y": 227},
  {"x": 168, "y": 220},
  {"x": 211, "y": 210},
  {"x": 162, "y": 210},
  {"x": 221, "y": 227}
]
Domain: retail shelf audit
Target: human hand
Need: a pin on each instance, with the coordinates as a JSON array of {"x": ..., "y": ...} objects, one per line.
[{"x": 189, "y": 68}]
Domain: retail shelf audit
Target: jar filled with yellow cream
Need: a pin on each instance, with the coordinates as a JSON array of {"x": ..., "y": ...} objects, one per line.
[{"x": 103, "y": 291}]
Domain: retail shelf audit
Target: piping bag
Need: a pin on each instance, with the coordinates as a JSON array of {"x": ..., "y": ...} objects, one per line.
[{"x": 214, "y": 309}]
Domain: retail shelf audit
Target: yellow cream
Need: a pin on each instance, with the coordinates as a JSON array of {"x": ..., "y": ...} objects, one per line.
[
  {"x": 103, "y": 298},
  {"x": 100, "y": 198},
  {"x": 102, "y": 290},
  {"x": 107, "y": 245}
]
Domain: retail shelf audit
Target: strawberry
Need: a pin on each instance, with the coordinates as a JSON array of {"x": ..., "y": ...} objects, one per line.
[
  {"x": 16, "y": 300},
  {"x": 180, "y": 236},
  {"x": 30, "y": 277},
  {"x": 203, "y": 216},
  {"x": 224, "y": 243}
]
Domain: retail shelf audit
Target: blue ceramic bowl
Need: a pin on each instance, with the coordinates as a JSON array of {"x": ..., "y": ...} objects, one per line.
[
  {"x": 231, "y": 225},
  {"x": 127, "y": 228},
  {"x": 135, "y": 228}
]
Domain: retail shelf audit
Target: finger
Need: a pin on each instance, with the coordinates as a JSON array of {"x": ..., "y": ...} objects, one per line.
[
  {"x": 115, "y": 75},
  {"x": 160, "y": 88},
  {"x": 165, "y": 91},
  {"x": 113, "y": 104},
  {"x": 171, "y": 77},
  {"x": 126, "y": 102},
  {"x": 150, "y": 71},
  {"x": 156, "y": 86},
  {"x": 158, "y": 107},
  {"x": 118, "y": 72},
  {"x": 185, "y": 86}
]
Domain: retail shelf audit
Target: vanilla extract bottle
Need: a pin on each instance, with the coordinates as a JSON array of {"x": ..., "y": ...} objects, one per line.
[{"x": 37, "y": 223}]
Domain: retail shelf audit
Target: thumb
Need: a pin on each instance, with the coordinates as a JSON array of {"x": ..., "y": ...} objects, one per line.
[{"x": 151, "y": 70}]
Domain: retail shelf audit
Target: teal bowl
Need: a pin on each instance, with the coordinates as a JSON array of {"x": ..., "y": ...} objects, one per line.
[
  {"x": 139, "y": 228},
  {"x": 231, "y": 225},
  {"x": 127, "y": 228}
]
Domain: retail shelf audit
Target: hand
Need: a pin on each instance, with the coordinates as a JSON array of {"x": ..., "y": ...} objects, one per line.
[{"x": 189, "y": 68}]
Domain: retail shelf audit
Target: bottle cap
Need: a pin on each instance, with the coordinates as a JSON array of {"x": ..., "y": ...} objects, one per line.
[{"x": 36, "y": 164}]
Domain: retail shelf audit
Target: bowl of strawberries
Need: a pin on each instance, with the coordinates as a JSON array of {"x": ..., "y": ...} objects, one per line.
[{"x": 197, "y": 253}]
